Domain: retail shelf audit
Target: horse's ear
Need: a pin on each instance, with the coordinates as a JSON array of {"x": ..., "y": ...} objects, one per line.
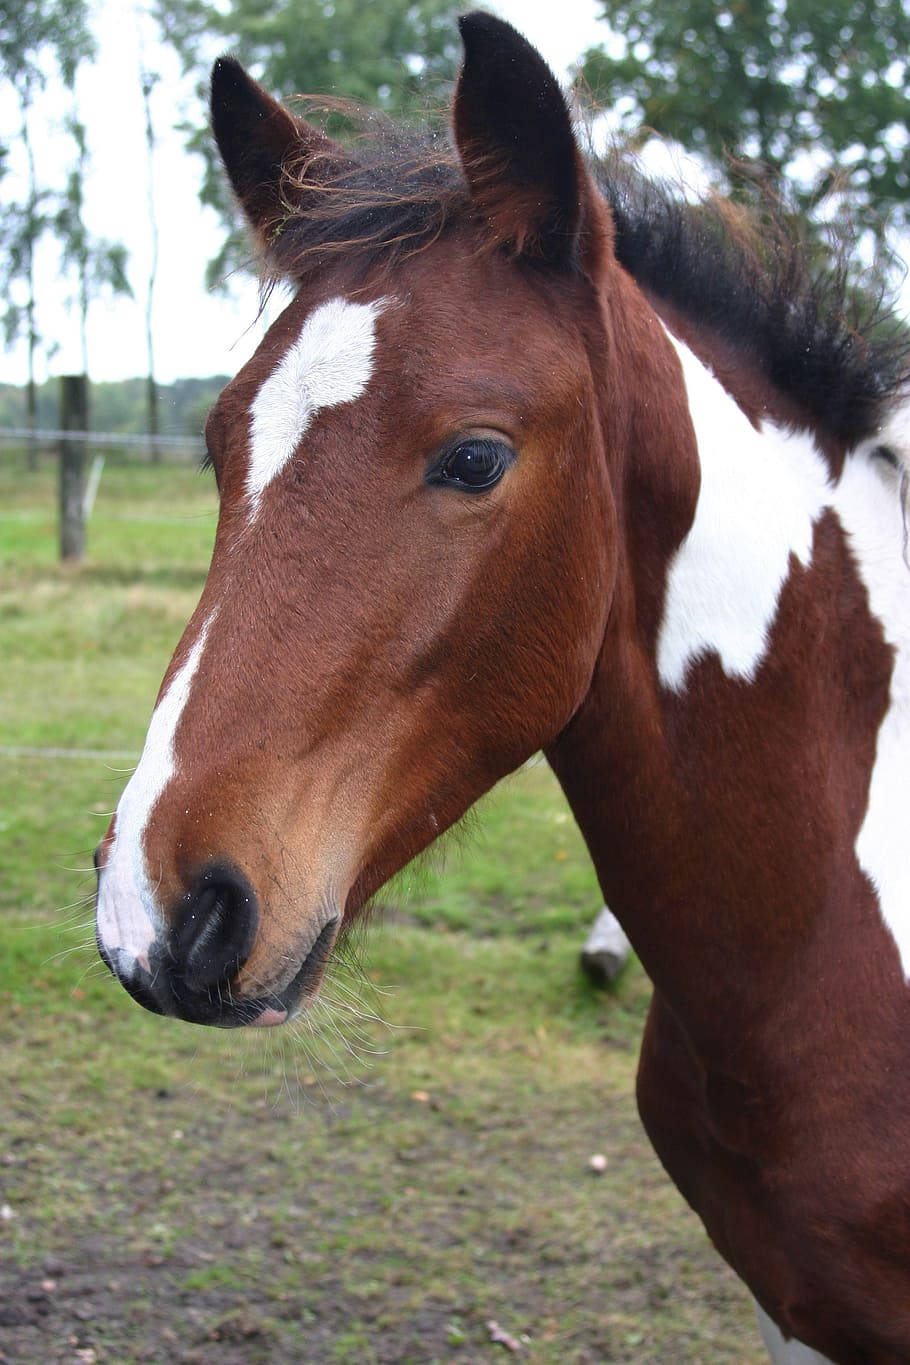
[
  {"x": 515, "y": 139},
  {"x": 260, "y": 141}
]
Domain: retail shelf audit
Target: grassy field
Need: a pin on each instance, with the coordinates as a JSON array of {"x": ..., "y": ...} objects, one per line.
[{"x": 377, "y": 1184}]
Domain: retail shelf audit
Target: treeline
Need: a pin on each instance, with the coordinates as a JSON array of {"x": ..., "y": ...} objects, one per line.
[
  {"x": 119, "y": 406},
  {"x": 391, "y": 53},
  {"x": 783, "y": 100},
  {"x": 773, "y": 93}
]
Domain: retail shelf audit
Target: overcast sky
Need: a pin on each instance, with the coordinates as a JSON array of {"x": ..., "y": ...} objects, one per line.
[{"x": 195, "y": 333}]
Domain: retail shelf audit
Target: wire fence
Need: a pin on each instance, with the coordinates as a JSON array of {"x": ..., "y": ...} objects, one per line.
[{"x": 48, "y": 440}]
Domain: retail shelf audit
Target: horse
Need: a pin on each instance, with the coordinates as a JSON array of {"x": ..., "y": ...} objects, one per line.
[{"x": 540, "y": 457}]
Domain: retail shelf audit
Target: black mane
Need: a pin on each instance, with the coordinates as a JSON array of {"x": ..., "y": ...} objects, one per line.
[{"x": 749, "y": 277}]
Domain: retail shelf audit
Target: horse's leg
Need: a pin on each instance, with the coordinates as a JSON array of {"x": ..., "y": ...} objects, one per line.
[
  {"x": 784, "y": 1352},
  {"x": 607, "y": 949}
]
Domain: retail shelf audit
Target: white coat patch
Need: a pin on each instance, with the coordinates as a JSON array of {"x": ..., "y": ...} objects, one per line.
[
  {"x": 760, "y": 493},
  {"x": 128, "y": 918},
  {"x": 866, "y": 500},
  {"x": 330, "y": 363}
]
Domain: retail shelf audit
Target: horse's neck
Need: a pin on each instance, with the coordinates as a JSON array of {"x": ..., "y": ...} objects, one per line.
[{"x": 737, "y": 769}]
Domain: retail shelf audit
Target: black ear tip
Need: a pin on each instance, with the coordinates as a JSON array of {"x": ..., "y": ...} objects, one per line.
[
  {"x": 496, "y": 51},
  {"x": 479, "y": 27},
  {"x": 228, "y": 79},
  {"x": 478, "y": 21},
  {"x": 226, "y": 68}
]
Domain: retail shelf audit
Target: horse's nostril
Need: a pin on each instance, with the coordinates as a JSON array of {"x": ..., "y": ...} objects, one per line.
[{"x": 214, "y": 929}]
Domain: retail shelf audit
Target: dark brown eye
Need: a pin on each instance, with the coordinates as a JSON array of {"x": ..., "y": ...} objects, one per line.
[{"x": 473, "y": 466}]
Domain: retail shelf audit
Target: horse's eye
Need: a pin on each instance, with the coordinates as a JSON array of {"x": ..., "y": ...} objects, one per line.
[{"x": 474, "y": 465}]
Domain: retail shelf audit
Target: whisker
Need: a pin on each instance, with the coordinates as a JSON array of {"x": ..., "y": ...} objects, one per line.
[{"x": 87, "y": 945}]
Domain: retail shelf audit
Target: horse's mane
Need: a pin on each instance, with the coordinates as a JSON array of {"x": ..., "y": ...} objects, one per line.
[
  {"x": 745, "y": 273},
  {"x": 750, "y": 274}
]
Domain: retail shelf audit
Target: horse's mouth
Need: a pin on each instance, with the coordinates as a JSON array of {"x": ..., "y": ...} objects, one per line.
[{"x": 162, "y": 990}]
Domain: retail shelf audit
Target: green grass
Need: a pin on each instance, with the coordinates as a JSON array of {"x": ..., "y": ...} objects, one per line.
[{"x": 375, "y": 1183}]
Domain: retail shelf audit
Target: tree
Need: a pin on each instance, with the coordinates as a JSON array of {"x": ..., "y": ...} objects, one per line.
[
  {"x": 95, "y": 262},
  {"x": 36, "y": 33},
  {"x": 397, "y": 55},
  {"x": 21, "y": 227},
  {"x": 147, "y": 82},
  {"x": 37, "y": 37},
  {"x": 809, "y": 91}
]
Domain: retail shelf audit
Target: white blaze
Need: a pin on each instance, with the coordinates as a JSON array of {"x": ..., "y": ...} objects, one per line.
[
  {"x": 128, "y": 918},
  {"x": 330, "y": 363}
]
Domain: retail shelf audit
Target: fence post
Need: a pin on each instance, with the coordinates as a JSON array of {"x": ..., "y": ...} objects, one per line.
[
  {"x": 151, "y": 408},
  {"x": 73, "y": 417}
]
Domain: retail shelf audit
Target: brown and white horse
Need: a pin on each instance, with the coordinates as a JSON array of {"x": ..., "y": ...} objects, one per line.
[{"x": 539, "y": 458}]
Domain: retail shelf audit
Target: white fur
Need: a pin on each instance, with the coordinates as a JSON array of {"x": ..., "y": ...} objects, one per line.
[
  {"x": 783, "y": 1352},
  {"x": 760, "y": 493},
  {"x": 866, "y": 500},
  {"x": 330, "y": 363},
  {"x": 894, "y": 433},
  {"x": 128, "y": 918}
]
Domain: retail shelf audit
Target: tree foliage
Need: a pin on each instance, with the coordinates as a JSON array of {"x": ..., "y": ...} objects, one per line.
[
  {"x": 39, "y": 39},
  {"x": 812, "y": 91},
  {"x": 95, "y": 264},
  {"x": 45, "y": 41},
  {"x": 397, "y": 55}
]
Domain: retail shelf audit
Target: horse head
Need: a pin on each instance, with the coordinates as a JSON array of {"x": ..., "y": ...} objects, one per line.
[{"x": 417, "y": 544}]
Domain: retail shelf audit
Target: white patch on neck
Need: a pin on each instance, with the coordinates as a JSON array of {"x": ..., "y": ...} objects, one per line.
[
  {"x": 128, "y": 918},
  {"x": 866, "y": 500},
  {"x": 330, "y": 363},
  {"x": 894, "y": 435},
  {"x": 760, "y": 493}
]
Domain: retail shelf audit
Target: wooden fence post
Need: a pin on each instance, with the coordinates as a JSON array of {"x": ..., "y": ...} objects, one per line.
[{"x": 73, "y": 417}]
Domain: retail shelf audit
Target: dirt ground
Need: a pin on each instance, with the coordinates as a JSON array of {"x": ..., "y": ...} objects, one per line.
[{"x": 374, "y": 1224}]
